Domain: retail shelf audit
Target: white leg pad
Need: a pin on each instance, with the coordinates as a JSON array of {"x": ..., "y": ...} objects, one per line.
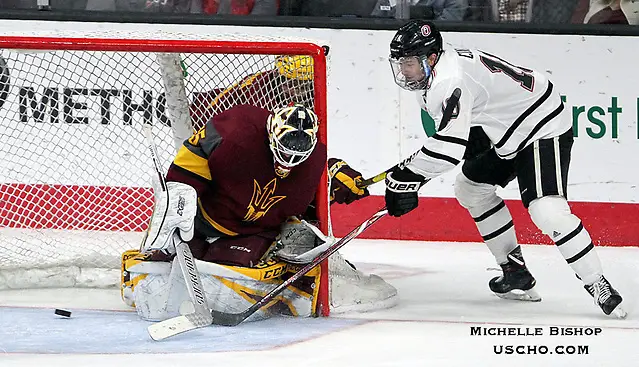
[
  {"x": 473, "y": 195},
  {"x": 552, "y": 215},
  {"x": 491, "y": 216},
  {"x": 162, "y": 290}
]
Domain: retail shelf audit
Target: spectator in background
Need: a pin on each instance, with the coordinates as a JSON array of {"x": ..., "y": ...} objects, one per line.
[
  {"x": 327, "y": 8},
  {"x": 451, "y": 10},
  {"x": 553, "y": 11},
  {"x": 234, "y": 7},
  {"x": 613, "y": 12},
  {"x": 240, "y": 7},
  {"x": 156, "y": 6},
  {"x": 512, "y": 10},
  {"x": 53, "y": 4},
  {"x": 529, "y": 11}
]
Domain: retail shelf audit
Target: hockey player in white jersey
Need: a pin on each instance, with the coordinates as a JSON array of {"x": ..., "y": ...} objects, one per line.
[{"x": 507, "y": 122}]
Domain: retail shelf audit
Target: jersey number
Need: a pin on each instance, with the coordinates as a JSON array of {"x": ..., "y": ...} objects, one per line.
[{"x": 518, "y": 74}]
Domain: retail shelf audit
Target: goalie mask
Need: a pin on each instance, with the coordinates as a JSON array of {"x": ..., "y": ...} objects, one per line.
[
  {"x": 295, "y": 79},
  {"x": 292, "y": 133},
  {"x": 410, "y": 48}
]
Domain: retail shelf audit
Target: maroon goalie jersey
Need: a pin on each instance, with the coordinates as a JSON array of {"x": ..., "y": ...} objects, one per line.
[{"x": 230, "y": 165}]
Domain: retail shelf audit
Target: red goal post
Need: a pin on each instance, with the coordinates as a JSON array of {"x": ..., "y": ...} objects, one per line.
[{"x": 75, "y": 189}]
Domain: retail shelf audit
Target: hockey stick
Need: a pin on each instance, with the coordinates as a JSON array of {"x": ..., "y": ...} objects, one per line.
[
  {"x": 233, "y": 319},
  {"x": 185, "y": 258},
  {"x": 362, "y": 184},
  {"x": 452, "y": 102}
]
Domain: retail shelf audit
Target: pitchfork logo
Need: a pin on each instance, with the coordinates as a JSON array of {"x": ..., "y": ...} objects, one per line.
[
  {"x": 262, "y": 200},
  {"x": 4, "y": 81}
]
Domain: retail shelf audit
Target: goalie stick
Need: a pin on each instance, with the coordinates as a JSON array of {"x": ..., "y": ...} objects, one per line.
[
  {"x": 201, "y": 315},
  {"x": 451, "y": 103},
  {"x": 181, "y": 324}
]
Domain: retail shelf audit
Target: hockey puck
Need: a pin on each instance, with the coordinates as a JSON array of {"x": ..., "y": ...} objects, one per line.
[{"x": 64, "y": 313}]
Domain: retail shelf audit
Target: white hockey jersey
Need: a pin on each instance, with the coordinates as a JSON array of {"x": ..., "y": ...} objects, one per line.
[{"x": 513, "y": 105}]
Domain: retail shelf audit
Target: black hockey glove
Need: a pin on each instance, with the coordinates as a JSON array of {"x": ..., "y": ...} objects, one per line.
[{"x": 401, "y": 191}]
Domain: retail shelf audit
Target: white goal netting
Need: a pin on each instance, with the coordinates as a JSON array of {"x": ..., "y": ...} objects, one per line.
[{"x": 75, "y": 183}]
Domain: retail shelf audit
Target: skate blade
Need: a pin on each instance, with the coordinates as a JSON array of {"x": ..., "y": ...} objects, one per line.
[
  {"x": 530, "y": 295},
  {"x": 619, "y": 312}
]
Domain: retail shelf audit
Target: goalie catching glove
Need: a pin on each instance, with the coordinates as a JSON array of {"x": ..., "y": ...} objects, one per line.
[
  {"x": 402, "y": 186},
  {"x": 174, "y": 211},
  {"x": 344, "y": 180},
  {"x": 300, "y": 242}
]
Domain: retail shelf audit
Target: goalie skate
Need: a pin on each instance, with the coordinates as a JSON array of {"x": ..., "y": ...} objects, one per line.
[{"x": 516, "y": 282}]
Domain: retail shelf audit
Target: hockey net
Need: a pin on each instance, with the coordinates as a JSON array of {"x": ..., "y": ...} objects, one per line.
[{"x": 76, "y": 184}]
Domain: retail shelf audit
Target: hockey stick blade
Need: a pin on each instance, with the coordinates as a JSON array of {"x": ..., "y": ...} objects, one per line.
[
  {"x": 233, "y": 319},
  {"x": 177, "y": 325}
]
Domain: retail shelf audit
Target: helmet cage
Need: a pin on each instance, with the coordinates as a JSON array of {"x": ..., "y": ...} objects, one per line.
[
  {"x": 416, "y": 39},
  {"x": 292, "y": 135}
]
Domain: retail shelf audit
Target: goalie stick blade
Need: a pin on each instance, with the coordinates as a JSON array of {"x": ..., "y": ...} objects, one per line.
[{"x": 177, "y": 325}]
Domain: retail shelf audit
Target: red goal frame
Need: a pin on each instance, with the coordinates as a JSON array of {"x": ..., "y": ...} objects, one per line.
[{"x": 318, "y": 53}]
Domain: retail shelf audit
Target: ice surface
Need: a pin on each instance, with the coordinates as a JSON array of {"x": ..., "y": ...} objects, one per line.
[{"x": 443, "y": 291}]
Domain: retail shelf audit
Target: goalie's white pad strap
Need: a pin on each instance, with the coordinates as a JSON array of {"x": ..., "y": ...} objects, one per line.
[{"x": 174, "y": 211}]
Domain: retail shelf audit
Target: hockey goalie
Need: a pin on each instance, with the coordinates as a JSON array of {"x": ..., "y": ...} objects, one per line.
[{"x": 235, "y": 192}]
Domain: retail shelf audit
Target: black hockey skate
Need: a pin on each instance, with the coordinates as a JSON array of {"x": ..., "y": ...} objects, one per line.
[
  {"x": 516, "y": 283},
  {"x": 606, "y": 297}
]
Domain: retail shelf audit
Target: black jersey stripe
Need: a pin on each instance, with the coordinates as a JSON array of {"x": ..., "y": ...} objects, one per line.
[
  {"x": 443, "y": 157},
  {"x": 537, "y": 127},
  {"x": 451, "y": 139},
  {"x": 523, "y": 116}
]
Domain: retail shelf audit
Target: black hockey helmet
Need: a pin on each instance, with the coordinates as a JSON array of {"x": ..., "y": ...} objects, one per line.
[{"x": 417, "y": 40}]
